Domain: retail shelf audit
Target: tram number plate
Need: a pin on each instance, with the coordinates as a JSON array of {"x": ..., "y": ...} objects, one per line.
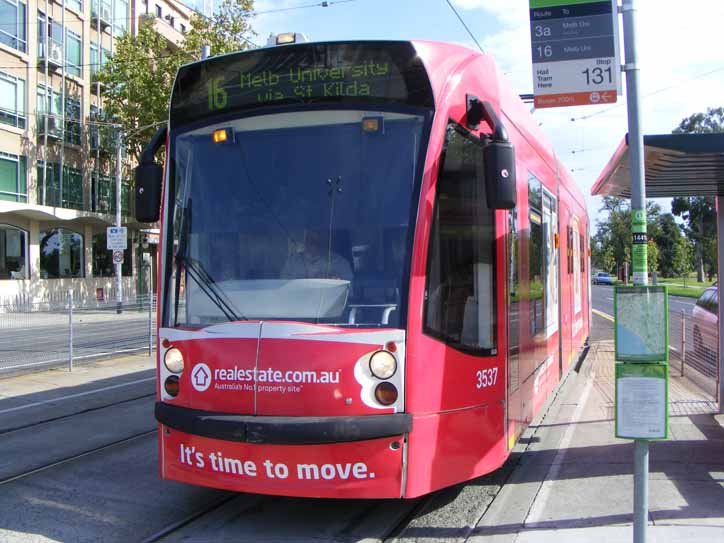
[{"x": 486, "y": 378}]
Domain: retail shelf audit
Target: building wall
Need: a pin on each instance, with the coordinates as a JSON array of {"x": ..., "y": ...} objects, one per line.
[{"x": 82, "y": 199}]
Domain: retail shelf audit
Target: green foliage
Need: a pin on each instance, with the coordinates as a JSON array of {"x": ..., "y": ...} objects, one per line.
[
  {"x": 611, "y": 245},
  {"x": 228, "y": 30},
  {"x": 137, "y": 80},
  {"x": 669, "y": 240},
  {"x": 698, "y": 211},
  {"x": 652, "y": 257}
]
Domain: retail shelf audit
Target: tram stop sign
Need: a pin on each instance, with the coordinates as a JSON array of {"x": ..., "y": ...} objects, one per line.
[
  {"x": 576, "y": 59},
  {"x": 116, "y": 238}
]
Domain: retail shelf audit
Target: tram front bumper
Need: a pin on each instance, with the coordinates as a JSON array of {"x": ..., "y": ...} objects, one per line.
[{"x": 322, "y": 457}]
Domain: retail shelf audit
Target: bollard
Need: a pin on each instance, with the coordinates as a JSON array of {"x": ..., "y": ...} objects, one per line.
[
  {"x": 683, "y": 340},
  {"x": 70, "y": 330}
]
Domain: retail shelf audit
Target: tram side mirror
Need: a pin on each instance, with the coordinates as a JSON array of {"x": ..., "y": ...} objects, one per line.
[
  {"x": 149, "y": 176},
  {"x": 500, "y": 187},
  {"x": 149, "y": 180}
]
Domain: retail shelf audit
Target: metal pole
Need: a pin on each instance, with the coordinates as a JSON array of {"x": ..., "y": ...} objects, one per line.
[
  {"x": 150, "y": 313},
  {"x": 683, "y": 340},
  {"x": 720, "y": 267},
  {"x": 639, "y": 249},
  {"x": 70, "y": 329},
  {"x": 119, "y": 283},
  {"x": 205, "y": 52},
  {"x": 641, "y": 489}
]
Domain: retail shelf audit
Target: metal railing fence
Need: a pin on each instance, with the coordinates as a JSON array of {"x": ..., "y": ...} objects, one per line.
[
  {"x": 53, "y": 333},
  {"x": 693, "y": 350}
]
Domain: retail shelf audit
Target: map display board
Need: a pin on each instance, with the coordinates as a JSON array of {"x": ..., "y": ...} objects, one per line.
[
  {"x": 642, "y": 398},
  {"x": 641, "y": 328},
  {"x": 575, "y": 51}
]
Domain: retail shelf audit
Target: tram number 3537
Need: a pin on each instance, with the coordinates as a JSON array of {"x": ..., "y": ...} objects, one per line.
[{"x": 486, "y": 378}]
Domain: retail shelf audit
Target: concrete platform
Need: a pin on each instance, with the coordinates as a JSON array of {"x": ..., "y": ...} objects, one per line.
[{"x": 575, "y": 480}]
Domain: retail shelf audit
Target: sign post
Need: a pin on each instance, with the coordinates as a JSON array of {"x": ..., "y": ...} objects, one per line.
[
  {"x": 117, "y": 241},
  {"x": 575, "y": 52}
]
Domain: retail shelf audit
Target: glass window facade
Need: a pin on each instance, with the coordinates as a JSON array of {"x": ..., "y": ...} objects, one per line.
[
  {"x": 14, "y": 24},
  {"x": 13, "y": 252},
  {"x": 12, "y": 100},
  {"x": 73, "y": 125},
  {"x": 69, "y": 195},
  {"x": 13, "y": 178},
  {"x": 61, "y": 254},
  {"x": 120, "y": 17},
  {"x": 73, "y": 53}
]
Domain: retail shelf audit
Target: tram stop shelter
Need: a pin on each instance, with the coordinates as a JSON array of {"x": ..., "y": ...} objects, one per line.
[{"x": 676, "y": 165}]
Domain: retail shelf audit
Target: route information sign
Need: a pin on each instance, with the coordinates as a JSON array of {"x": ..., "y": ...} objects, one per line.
[
  {"x": 641, "y": 401},
  {"x": 575, "y": 52},
  {"x": 641, "y": 331}
]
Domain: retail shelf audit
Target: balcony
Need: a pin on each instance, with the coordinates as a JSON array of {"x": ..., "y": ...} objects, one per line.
[
  {"x": 53, "y": 128},
  {"x": 173, "y": 36},
  {"x": 104, "y": 19},
  {"x": 52, "y": 54}
]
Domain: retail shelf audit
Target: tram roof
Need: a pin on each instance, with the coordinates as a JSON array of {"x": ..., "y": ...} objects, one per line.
[{"x": 675, "y": 164}]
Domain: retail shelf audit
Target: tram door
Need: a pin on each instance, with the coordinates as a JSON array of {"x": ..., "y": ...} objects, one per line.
[{"x": 513, "y": 403}]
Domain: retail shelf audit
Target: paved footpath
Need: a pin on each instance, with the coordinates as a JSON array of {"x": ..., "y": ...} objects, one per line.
[{"x": 574, "y": 483}]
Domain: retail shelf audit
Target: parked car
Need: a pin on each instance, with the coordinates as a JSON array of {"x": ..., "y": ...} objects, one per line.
[
  {"x": 705, "y": 318},
  {"x": 602, "y": 278}
]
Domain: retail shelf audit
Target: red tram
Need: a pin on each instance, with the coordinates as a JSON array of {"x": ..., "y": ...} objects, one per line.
[{"x": 373, "y": 270}]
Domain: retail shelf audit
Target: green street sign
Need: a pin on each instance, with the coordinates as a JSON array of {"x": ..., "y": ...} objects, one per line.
[
  {"x": 642, "y": 399},
  {"x": 641, "y": 324}
]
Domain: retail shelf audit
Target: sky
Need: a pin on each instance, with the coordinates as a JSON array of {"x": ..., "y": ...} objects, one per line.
[{"x": 680, "y": 49}]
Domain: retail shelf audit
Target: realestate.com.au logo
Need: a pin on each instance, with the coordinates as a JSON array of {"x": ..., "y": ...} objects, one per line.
[
  {"x": 234, "y": 378},
  {"x": 201, "y": 377}
]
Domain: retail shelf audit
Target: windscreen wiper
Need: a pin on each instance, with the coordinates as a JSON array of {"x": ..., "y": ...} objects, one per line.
[{"x": 196, "y": 271}]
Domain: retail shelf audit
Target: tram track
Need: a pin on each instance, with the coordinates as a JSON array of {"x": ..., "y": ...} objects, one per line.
[
  {"x": 75, "y": 457},
  {"x": 373, "y": 521},
  {"x": 59, "y": 418}
]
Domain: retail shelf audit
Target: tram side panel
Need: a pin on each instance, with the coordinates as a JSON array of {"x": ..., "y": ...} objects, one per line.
[{"x": 456, "y": 390}]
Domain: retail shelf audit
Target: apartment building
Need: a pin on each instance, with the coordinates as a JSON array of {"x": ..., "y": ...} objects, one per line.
[{"x": 57, "y": 149}]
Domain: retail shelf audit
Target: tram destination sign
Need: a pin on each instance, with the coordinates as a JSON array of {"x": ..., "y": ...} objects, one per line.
[
  {"x": 372, "y": 72},
  {"x": 574, "y": 45}
]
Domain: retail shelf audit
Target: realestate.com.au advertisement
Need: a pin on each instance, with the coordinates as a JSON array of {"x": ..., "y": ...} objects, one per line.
[{"x": 244, "y": 379}]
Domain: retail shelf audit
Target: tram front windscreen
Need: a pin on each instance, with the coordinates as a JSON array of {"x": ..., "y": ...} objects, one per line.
[{"x": 299, "y": 215}]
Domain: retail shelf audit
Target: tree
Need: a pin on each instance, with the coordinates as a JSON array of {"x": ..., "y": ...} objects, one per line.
[
  {"x": 228, "y": 30},
  {"x": 612, "y": 240},
  {"x": 137, "y": 80},
  {"x": 667, "y": 237},
  {"x": 698, "y": 211},
  {"x": 652, "y": 257}
]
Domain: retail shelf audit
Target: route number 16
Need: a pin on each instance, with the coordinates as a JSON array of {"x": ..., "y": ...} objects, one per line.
[{"x": 486, "y": 378}]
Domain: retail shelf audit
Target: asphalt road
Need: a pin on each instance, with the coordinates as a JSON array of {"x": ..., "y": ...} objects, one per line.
[{"x": 602, "y": 300}]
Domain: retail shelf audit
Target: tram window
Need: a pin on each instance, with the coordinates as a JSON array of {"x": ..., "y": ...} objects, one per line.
[
  {"x": 536, "y": 254},
  {"x": 460, "y": 295}
]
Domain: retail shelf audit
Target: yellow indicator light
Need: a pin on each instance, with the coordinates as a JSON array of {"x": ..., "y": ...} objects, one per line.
[
  {"x": 287, "y": 37},
  {"x": 220, "y": 136},
  {"x": 370, "y": 125}
]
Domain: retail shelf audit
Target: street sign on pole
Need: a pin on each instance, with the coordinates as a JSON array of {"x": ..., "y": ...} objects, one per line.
[
  {"x": 118, "y": 257},
  {"x": 575, "y": 52},
  {"x": 116, "y": 238}
]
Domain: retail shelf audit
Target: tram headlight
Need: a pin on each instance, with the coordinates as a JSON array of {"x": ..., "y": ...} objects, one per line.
[
  {"x": 383, "y": 365},
  {"x": 171, "y": 385},
  {"x": 386, "y": 393},
  {"x": 174, "y": 360}
]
